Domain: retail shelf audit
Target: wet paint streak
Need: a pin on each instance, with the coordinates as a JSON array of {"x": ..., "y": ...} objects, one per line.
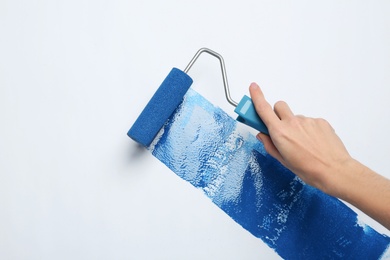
[{"x": 207, "y": 148}]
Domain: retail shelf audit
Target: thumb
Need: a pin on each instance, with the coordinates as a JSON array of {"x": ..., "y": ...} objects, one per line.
[{"x": 269, "y": 146}]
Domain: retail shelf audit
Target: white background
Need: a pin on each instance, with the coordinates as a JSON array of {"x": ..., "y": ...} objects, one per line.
[{"x": 74, "y": 76}]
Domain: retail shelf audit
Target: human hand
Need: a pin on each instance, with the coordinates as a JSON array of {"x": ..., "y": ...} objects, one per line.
[
  {"x": 310, "y": 148},
  {"x": 307, "y": 146}
]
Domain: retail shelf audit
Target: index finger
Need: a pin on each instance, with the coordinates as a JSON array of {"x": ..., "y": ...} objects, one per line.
[{"x": 263, "y": 108}]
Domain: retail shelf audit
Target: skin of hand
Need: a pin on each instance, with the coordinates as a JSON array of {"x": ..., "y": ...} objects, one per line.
[{"x": 311, "y": 149}]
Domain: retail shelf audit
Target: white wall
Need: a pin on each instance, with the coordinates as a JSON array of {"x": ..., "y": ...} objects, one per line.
[{"x": 74, "y": 75}]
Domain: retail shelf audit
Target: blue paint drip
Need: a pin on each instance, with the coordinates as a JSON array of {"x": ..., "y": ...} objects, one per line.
[{"x": 206, "y": 147}]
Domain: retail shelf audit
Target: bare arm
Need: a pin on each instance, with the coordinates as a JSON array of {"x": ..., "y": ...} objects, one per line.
[{"x": 310, "y": 148}]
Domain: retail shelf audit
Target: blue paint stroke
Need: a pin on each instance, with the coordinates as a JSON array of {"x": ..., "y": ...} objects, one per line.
[{"x": 207, "y": 148}]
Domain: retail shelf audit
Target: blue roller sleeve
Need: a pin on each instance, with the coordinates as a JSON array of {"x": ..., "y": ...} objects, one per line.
[
  {"x": 161, "y": 106},
  {"x": 247, "y": 115}
]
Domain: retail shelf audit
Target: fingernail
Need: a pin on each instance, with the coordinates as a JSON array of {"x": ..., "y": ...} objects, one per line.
[
  {"x": 258, "y": 136},
  {"x": 253, "y": 86}
]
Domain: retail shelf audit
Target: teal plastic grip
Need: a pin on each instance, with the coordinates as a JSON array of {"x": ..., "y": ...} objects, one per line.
[{"x": 247, "y": 115}]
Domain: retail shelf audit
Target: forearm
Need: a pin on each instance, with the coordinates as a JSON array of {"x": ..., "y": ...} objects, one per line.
[
  {"x": 365, "y": 189},
  {"x": 311, "y": 149}
]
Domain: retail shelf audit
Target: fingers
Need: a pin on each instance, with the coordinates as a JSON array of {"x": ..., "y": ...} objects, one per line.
[
  {"x": 282, "y": 110},
  {"x": 263, "y": 108}
]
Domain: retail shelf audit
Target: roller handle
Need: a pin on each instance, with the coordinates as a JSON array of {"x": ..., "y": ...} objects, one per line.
[{"x": 247, "y": 115}]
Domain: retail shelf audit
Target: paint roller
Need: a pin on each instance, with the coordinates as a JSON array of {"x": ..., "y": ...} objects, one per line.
[{"x": 169, "y": 96}]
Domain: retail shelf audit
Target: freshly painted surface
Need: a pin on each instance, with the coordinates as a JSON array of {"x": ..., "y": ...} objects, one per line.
[{"x": 207, "y": 148}]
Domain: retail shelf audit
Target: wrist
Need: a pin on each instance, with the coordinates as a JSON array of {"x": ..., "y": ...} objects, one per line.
[{"x": 343, "y": 179}]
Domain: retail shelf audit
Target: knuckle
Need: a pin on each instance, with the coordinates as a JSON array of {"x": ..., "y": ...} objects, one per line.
[
  {"x": 322, "y": 121},
  {"x": 279, "y": 104}
]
